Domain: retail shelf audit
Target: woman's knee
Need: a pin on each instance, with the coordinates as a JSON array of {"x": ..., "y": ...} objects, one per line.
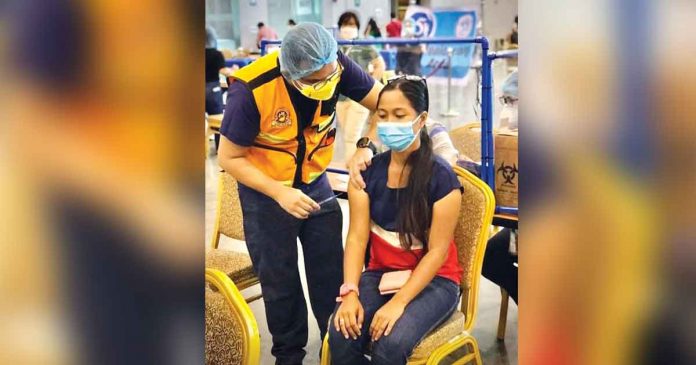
[
  {"x": 336, "y": 339},
  {"x": 392, "y": 349}
]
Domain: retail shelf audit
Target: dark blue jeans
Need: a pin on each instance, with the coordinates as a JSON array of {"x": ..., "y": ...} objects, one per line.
[
  {"x": 213, "y": 98},
  {"x": 430, "y": 308},
  {"x": 499, "y": 265},
  {"x": 271, "y": 236}
]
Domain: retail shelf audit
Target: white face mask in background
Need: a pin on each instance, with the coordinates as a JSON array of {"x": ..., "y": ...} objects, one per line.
[
  {"x": 508, "y": 117},
  {"x": 348, "y": 32}
]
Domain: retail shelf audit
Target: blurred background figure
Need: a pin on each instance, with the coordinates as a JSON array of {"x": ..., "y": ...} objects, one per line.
[
  {"x": 351, "y": 115},
  {"x": 513, "y": 35},
  {"x": 372, "y": 29},
  {"x": 265, "y": 32},
  {"x": 394, "y": 27},
  {"x": 509, "y": 99},
  {"x": 408, "y": 58},
  {"x": 214, "y": 66},
  {"x": 291, "y": 23},
  {"x": 500, "y": 261}
]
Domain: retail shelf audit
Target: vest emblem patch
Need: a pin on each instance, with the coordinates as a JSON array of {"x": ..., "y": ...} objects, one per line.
[{"x": 281, "y": 118}]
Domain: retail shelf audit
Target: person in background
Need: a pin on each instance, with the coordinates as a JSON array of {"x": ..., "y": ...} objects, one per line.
[
  {"x": 372, "y": 29},
  {"x": 214, "y": 66},
  {"x": 265, "y": 32},
  {"x": 350, "y": 114},
  {"x": 278, "y": 139},
  {"x": 408, "y": 57},
  {"x": 408, "y": 213},
  {"x": 441, "y": 142},
  {"x": 394, "y": 27},
  {"x": 510, "y": 101},
  {"x": 500, "y": 260},
  {"x": 513, "y": 35},
  {"x": 291, "y": 23}
]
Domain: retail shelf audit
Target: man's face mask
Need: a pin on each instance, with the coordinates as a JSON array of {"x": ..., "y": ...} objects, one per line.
[
  {"x": 322, "y": 90},
  {"x": 398, "y": 136}
]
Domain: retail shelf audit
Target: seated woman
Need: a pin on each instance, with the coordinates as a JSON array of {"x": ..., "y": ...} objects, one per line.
[{"x": 408, "y": 213}]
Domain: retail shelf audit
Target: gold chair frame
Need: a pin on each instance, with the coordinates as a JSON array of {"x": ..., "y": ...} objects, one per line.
[{"x": 242, "y": 313}]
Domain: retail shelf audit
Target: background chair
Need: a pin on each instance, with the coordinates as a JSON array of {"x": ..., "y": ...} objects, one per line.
[
  {"x": 231, "y": 333},
  {"x": 471, "y": 237},
  {"x": 229, "y": 222},
  {"x": 467, "y": 140}
]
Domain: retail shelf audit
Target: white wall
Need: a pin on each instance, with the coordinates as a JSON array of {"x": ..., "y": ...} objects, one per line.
[
  {"x": 249, "y": 16},
  {"x": 378, "y": 9}
]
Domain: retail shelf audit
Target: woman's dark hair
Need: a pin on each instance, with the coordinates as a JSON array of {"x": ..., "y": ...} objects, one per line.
[
  {"x": 414, "y": 216},
  {"x": 291, "y": 22},
  {"x": 374, "y": 28},
  {"x": 343, "y": 19}
]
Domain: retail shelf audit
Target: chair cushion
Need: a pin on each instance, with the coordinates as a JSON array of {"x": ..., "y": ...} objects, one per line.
[
  {"x": 224, "y": 343},
  {"x": 231, "y": 222},
  {"x": 439, "y": 336},
  {"x": 237, "y": 265}
]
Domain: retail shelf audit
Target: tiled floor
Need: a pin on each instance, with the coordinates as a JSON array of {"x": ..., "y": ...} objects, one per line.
[{"x": 485, "y": 328}]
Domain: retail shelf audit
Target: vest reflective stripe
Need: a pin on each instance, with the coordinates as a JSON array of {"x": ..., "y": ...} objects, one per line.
[{"x": 276, "y": 146}]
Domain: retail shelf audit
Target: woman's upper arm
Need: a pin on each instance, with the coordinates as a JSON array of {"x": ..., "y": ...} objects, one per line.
[
  {"x": 359, "y": 228},
  {"x": 444, "y": 221}
]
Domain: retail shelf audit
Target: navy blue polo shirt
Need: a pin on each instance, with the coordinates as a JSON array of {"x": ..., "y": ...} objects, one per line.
[{"x": 241, "y": 122}]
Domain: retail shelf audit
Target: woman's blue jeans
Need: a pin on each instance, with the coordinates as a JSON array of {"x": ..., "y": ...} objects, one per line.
[{"x": 430, "y": 308}]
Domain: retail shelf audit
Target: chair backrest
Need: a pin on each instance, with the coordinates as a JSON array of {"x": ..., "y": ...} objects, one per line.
[
  {"x": 467, "y": 140},
  {"x": 231, "y": 332},
  {"x": 471, "y": 237},
  {"x": 228, "y": 219}
]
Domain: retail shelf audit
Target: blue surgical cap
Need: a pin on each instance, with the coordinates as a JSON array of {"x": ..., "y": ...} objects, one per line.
[
  {"x": 306, "y": 48},
  {"x": 510, "y": 86}
]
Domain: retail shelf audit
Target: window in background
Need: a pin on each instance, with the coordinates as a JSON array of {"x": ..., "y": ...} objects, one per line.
[
  {"x": 279, "y": 11},
  {"x": 223, "y": 15}
]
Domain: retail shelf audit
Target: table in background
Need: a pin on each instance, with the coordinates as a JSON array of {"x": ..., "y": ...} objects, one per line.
[
  {"x": 215, "y": 121},
  {"x": 505, "y": 220},
  {"x": 241, "y": 62}
]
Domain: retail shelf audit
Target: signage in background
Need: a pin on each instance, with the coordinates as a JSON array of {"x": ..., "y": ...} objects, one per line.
[{"x": 460, "y": 23}]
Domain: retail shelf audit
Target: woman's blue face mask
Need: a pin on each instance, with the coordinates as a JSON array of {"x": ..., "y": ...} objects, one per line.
[{"x": 398, "y": 136}]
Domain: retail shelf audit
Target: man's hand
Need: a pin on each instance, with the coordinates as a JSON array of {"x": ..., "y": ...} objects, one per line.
[
  {"x": 358, "y": 163},
  {"x": 295, "y": 202}
]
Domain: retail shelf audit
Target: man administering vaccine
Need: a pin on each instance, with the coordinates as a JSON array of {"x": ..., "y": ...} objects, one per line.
[{"x": 277, "y": 140}]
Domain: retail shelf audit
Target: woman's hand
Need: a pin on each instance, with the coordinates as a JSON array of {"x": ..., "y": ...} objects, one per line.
[
  {"x": 385, "y": 319},
  {"x": 349, "y": 317}
]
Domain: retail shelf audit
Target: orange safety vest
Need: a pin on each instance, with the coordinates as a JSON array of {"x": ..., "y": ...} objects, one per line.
[{"x": 281, "y": 150}]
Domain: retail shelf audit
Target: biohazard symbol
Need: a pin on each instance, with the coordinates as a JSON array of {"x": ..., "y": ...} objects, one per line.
[
  {"x": 509, "y": 173},
  {"x": 281, "y": 118}
]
